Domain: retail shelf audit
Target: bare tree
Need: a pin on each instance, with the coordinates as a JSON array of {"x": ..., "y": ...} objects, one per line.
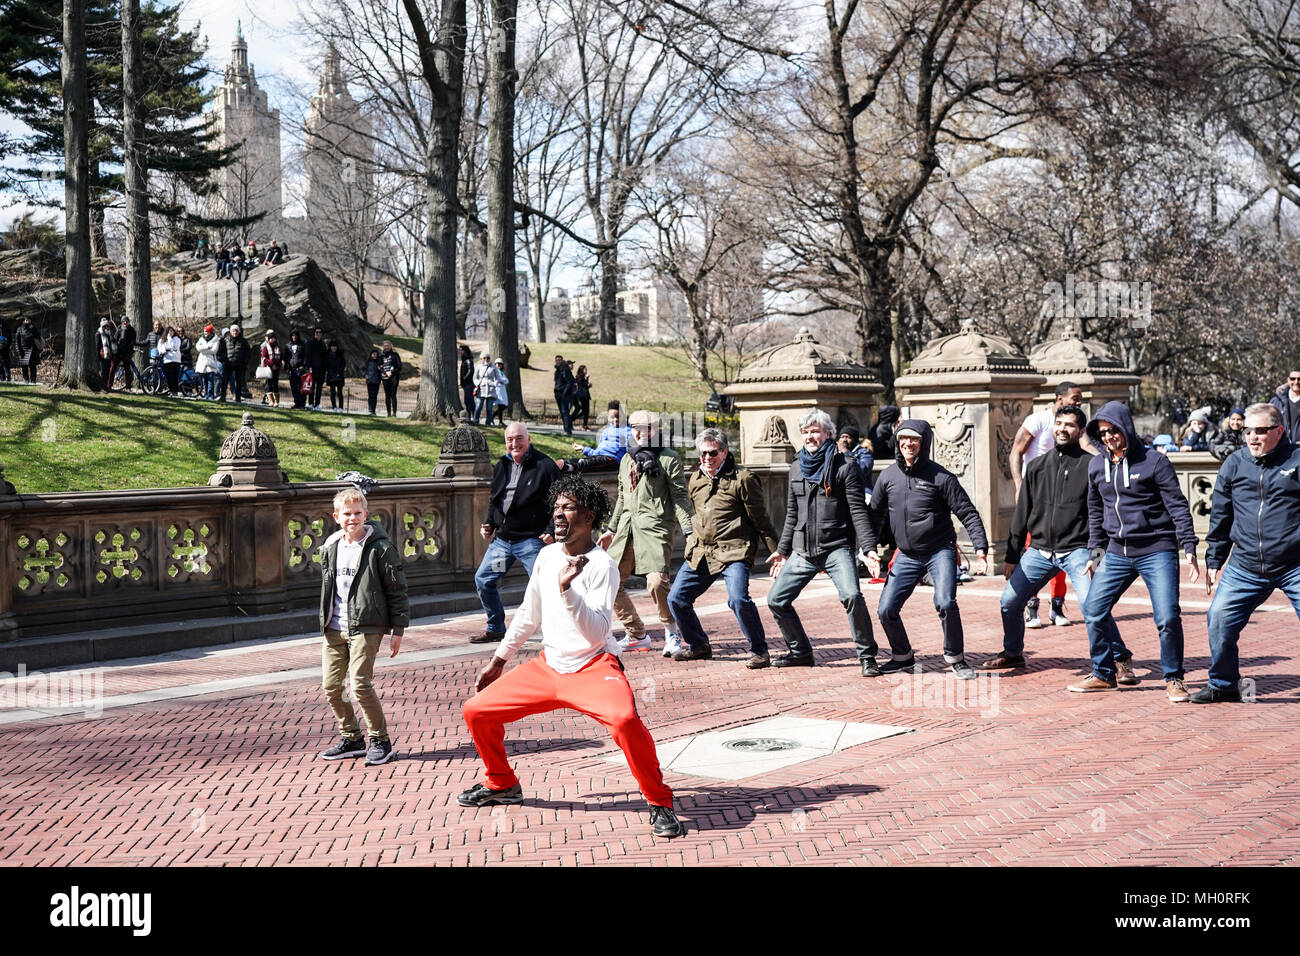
[
  {"x": 78, "y": 364},
  {"x": 139, "y": 294}
]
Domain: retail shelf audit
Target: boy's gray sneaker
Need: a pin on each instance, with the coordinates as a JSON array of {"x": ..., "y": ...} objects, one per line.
[
  {"x": 480, "y": 796},
  {"x": 345, "y": 748},
  {"x": 380, "y": 751}
]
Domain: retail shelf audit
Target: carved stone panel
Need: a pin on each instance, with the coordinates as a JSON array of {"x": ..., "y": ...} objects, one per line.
[
  {"x": 192, "y": 551},
  {"x": 121, "y": 556},
  {"x": 305, "y": 534},
  {"x": 48, "y": 563},
  {"x": 421, "y": 533}
]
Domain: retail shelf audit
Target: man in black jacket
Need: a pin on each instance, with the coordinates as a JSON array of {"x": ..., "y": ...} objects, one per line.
[
  {"x": 826, "y": 519},
  {"x": 125, "y": 353},
  {"x": 1052, "y": 509},
  {"x": 390, "y": 373},
  {"x": 467, "y": 378},
  {"x": 1257, "y": 508},
  {"x": 517, "y": 524},
  {"x": 564, "y": 390},
  {"x": 317, "y": 353},
  {"x": 919, "y": 497}
]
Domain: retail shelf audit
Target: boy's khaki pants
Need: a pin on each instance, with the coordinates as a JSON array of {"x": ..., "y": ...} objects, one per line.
[{"x": 353, "y": 655}]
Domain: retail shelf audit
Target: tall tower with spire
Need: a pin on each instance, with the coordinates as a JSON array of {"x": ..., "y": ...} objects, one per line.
[
  {"x": 240, "y": 115},
  {"x": 340, "y": 147}
]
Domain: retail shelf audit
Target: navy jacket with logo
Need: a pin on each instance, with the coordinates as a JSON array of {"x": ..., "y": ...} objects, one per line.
[
  {"x": 1257, "y": 509},
  {"x": 1135, "y": 506}
]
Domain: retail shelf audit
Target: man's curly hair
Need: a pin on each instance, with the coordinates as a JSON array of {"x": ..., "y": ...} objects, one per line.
[{"x": 587, "y": 494}]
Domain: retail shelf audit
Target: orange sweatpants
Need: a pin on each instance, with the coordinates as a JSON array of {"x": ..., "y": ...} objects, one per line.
[{"x": 600, "y": 690}]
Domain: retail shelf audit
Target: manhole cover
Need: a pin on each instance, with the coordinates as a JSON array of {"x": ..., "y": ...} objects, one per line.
[{"x": 762, "y": 744}]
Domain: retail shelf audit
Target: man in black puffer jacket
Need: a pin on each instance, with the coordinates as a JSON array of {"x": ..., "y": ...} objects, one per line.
[
  {"x": 826, "y": 519},
  {"x": 919, "y": 497},
  {"x": 1257, "y": 509}
]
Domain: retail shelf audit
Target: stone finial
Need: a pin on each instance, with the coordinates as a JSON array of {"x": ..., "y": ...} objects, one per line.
[
  {"x": 464, "y": 454},
  {"x": 248, "y": 457},
  {"x": 773, "y": 446}
]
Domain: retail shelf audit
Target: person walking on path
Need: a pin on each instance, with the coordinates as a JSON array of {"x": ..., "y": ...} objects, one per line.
[
  {"x": 467, "y": 378},
  {"x": 390, "y": 373},
  {"x": 317, "y": 354},
  {"x": 371, "y": 373},
  {"x": 272, "y": 359},
  {"x": 207, "y": 367},
  {"x": 295, "y": 360},
  {"x": 1255, "y": 519},
  {"x": 336, "y": 372},
  {"x": 1137, "y": 520},
  {"x": 564, "y": 390},
  {"x": 27, "y": 349},
  {"x": 502, "y": 396},
  {"x": 920, "y": 497},
  {"x": 485, "y": 389},
  {"x": 570, "y": 600}
]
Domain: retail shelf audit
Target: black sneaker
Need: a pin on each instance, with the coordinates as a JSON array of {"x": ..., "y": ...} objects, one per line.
[
  {"x": 480, "y": 796},
  {"x": 963, "y": 671},
  {"x": 1215, "y": 695},
  {"x": 345, "y": 748},
  {"x": 664, "y": 823},
  {"x": 870, "y": 668},
  {"x": 380, "y": 751},
  {"x": 892, "y": 666}
]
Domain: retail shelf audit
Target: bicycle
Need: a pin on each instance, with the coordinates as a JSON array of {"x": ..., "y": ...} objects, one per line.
[{"x": 117, "y": 381}]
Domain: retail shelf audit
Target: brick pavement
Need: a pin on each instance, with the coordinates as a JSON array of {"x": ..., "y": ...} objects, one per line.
[{"x": 209, "y": 758}]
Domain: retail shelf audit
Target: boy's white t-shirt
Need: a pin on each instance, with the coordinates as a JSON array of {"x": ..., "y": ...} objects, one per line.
[
  {"x": 576, "y": 625},
  {"x": 347, "y": 561}
]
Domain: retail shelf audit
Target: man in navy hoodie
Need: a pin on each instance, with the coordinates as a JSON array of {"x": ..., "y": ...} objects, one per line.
[
  {"x": 919, "y": 497},
  {"x": 1137, "y": 520},
  {"x": 1257, "y": 508}
]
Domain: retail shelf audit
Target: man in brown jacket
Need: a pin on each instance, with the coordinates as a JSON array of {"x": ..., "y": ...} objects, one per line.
[
  {"x": 728, "y": 522},
  {"x": 651, "y": 505}
]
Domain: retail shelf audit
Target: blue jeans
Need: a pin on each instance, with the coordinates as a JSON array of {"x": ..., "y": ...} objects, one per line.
[
  {"x": 1028, "y": 578},
  {"x": 900, "y": 584},
  {"x": 500, "y": 558},
  {"x": 1236, "y": 596},
  {"x": 692, "y": 582},
  {"x": 485, "y": 402},
  {"x": 799, "y": 569},
  {"x": 1159, "y": 572}
]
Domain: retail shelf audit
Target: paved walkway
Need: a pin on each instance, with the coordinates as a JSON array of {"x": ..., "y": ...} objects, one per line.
[{"x": 209, "y": 758}]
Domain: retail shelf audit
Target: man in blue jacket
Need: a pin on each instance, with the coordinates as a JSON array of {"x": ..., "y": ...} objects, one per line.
[
  {"x": 1257, "y": 508},
  {"x": 1137, "y": 520},
  {"x": 920, "y": 497}
]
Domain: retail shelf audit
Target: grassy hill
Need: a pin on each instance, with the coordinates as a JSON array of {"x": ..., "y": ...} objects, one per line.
[
  {"x": 54, "y": 441},
  {"x": 639, "y": 376}
]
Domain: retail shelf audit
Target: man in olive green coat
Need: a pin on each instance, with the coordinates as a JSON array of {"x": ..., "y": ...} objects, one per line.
[
  {"x": 651, "y": 494},
  {"x": 730, "y": 519}
]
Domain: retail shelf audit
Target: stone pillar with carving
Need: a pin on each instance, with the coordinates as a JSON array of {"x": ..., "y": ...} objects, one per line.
[
  {"x": 974, "y": 389},
  {"x": 8, "y": 561},
  {"x": 770, "y": 459},
  {"x": 790, "y": 379},
  {"x": 465, "y": 463},
  {"x": 249, "y": 470}
]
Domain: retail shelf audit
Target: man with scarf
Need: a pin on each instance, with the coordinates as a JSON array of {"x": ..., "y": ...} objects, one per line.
[
  {"x": 920, "y": 498},
  {"x": 651, "y": 493},
  {"x": 826, "y": 519}
]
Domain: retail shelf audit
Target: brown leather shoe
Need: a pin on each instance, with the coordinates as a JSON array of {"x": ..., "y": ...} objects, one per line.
[
  {"x": 757, "y": 662},
  {"x": 1001, "y": 663},
  {"x": 1124, "y": 673},
  {"x": 1091, "y": 685},
  {"x": 487, "y": 637}
]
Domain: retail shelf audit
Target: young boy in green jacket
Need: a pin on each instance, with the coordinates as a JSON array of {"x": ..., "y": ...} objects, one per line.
[{"x": 362, "y": 598}]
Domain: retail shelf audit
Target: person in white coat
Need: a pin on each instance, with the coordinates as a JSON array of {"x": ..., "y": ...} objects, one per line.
[
  {"x": 503, "y": 397},
  {"x": 206, "y": 366}
]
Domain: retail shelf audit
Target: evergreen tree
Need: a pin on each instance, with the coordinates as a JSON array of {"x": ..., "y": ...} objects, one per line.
[{"x": 580, "y": 330}]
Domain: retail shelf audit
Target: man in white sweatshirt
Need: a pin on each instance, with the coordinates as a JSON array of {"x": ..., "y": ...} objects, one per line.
[{"x": 570, "y": 598}]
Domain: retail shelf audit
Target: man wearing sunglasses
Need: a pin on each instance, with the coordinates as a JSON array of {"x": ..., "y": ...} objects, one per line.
[
  {"x": 729, "y": 517},
  {"x": 1257, "y": 508},
  {"x": 1137, "y": 520},
  {"x": 1287, "y": 402}
]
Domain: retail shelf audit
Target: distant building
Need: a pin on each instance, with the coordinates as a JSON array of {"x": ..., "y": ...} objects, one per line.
[
  {"x": 652, "y": 311},
  {"x": 240, "y": 115},
  {"x": 340, "y": 146}
]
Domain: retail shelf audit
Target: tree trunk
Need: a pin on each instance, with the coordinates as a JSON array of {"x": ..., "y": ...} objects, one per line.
[
  {"x": 139, "y": 293},
  {"x": 608, "y": 323},
  {"x": 502, "y": 299},
  {"x": 439, "y": 396},
  {"x": 79, "y": 369}
]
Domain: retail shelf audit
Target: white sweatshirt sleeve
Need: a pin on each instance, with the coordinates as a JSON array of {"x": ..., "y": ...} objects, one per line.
[{"x": 527, "y": 619}]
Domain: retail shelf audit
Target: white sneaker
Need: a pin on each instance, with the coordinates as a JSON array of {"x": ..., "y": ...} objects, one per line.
[
  {"x": 672, "y": 643},
  {"x": 633, "y": 644},
  {"x": 1060, "y": 619}
]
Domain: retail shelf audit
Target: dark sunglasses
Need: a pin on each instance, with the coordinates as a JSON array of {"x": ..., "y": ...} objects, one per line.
[
  {"x": 1103, "y": 432},
  {"x": 711, "y": 454},
  {"x": 1260, "y": 429}
]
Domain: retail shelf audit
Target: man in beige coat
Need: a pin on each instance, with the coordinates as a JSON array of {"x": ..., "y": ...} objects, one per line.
[{"x": 652, "y": 501}]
